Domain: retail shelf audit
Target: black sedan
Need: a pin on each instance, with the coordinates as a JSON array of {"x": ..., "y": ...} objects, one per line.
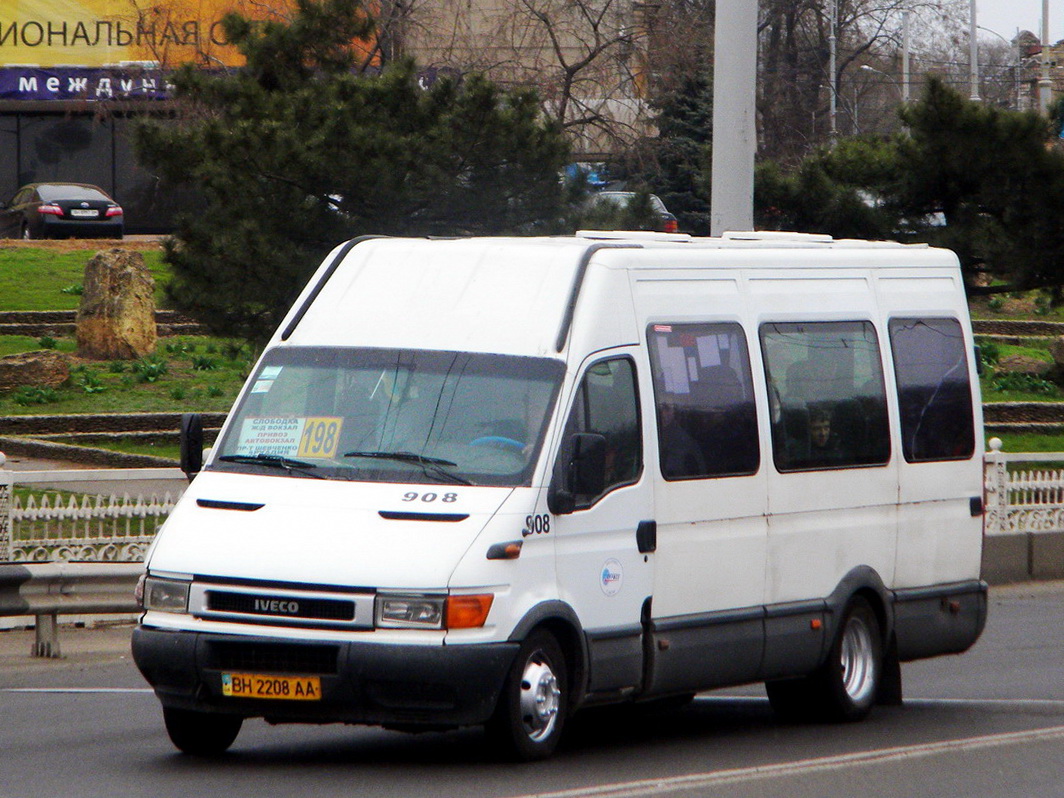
[{"x": 61, "y": 210}]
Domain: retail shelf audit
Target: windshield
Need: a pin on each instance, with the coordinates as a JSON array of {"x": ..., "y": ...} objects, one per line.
[{"x": 382, "y": 415}]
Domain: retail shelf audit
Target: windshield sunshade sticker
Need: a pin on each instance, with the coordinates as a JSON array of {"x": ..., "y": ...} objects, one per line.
[
  {"x": 315, "y": 438},
  {"x": 265, "y": 379}
]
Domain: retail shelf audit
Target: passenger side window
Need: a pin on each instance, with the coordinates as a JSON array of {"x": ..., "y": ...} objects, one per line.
[
  {"x": 704, "y": 399},
  {"x": 607, "y": 404},
  {"x": 826, "y": 395},
  {"x": 934, "y": 392}
]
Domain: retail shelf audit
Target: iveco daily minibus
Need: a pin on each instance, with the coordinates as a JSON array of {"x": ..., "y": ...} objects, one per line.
[{"x": 492, "y": 481}]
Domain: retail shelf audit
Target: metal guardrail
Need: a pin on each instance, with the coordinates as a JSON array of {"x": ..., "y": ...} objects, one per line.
[{"x": 47, "y": 590}]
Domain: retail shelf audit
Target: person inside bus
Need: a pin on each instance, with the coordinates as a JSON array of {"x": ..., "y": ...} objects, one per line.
[
  {"x": 681, "y": 455},
  {"x": 824, "y": 447}
]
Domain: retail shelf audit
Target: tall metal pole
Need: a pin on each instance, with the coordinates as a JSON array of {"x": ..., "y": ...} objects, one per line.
[
  {"x": 1045, "y": 85},
  {"x": 734, "y": 134},
  {"x": 973, "y": 52},
  {"x": 833, "y": 79},
  {"x": 905, "y": 57}
]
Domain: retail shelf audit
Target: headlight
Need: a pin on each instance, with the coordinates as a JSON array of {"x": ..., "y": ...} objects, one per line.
[
  {"x": 431, "y": 611},
  {"x": 165, "y": 595},
  {"x": 409, "y": 611}
]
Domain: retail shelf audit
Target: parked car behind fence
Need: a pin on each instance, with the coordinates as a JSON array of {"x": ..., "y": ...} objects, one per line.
[{"x": 61, "y": 210}]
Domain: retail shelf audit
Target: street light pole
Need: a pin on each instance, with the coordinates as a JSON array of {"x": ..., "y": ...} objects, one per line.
[
  {"x": 973, "y": 52},
  {"x": 833, "y": 87},
  {"x": 905, "y": 83},
  {"x": 1014, "y": 54},
  {"x": 1045, "y": 85},
  {"x": 734, "y": 135}
]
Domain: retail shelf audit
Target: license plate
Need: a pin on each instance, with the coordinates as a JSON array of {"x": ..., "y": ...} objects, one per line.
[
  {"x": 284, "y": 688},
  {"x": 84, "y": 213}
]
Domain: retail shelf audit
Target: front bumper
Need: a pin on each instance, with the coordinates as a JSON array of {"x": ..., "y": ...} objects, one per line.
[{"x": 377, "y": 684}]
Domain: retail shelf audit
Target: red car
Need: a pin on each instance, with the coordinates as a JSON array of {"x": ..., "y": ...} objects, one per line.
[{"x": 61, "y": 210}]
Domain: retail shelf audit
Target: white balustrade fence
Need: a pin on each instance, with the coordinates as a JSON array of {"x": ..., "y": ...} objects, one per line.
[
  {"x": 84, "y": 514},
  {"x": 101, "y": 515},
  {"x": 1024, "y": 500}
]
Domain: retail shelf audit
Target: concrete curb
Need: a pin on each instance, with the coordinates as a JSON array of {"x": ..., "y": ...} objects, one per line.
[{"x": 83, "y": 455}]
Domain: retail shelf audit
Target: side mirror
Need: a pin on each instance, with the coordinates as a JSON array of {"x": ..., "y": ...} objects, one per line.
[
  {"x": 191, "y": 444},
  {"x": 583, "y": 473}
]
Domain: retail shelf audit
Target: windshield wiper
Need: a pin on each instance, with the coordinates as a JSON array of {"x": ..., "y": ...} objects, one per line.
[
  {"x": 404, "y": 457},
  {"x": 430, "y": 466},
  {"x": 273, "y": 461}
]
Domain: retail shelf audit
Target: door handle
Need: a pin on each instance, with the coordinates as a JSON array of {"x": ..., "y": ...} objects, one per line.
[{"x": 646, "y": 537}]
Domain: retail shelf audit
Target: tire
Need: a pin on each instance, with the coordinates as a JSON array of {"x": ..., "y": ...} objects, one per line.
[
  {"x": 844, "y": 688},
  {"x": 532, "y": 708},
  {"x": 201, "y": 733}
]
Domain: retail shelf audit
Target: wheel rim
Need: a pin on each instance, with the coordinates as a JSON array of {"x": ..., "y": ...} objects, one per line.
[
  {"x": 540, "y": 698},
  {"x": 858, "y": 660}
]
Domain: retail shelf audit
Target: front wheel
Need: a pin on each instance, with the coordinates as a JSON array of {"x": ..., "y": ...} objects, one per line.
[
  {"x": 530, "y": 716},
  {"x": 844, "y": 688},
  {"x": 201, "y": 733}
]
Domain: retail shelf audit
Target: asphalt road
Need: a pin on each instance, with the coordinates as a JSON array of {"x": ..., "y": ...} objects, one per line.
[{"x": 987, "y": 723}]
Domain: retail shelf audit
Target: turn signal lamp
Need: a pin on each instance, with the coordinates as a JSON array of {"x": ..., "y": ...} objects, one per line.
[{"x": 468, "y": 612}]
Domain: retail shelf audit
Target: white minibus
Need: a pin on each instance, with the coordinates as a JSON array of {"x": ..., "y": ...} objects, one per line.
[{"x": 492, "y": 481}]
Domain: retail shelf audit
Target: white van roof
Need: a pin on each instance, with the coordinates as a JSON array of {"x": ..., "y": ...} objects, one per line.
[{"x": 518, "y": 295}]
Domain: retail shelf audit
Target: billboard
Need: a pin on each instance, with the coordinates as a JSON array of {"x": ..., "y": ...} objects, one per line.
[{"x": 122, "y": 33}]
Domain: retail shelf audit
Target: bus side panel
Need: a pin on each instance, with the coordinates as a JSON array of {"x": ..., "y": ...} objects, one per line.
[
  {"x": 940, "y": 523},
  {"x": 943, "y": 620}
]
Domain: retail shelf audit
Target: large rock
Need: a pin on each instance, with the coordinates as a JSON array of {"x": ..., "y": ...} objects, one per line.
[
  {"x": 116, "y": 320},
  {"x": 1056, "y": 349},
  {"x": 46, "y": 368},
  {"x": 1022, "y": 364}
]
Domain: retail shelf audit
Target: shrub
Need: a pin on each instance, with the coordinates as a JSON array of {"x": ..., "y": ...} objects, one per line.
[
  {"x": 46, "y": 342},
  {"x": 204, "y": 363},
  {"x": 149, "y": 369},
  {"x": 34, "y": 395},
  {"x": 989, "y": 352},
  {"x": 88, "y": 380},
  {"x": 1028, "y": 383}
]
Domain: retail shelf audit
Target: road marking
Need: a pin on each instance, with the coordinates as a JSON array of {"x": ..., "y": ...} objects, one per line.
[
  {"x": 76, "y": 690},
  {"x": 1019, "y": 703},
  {"x": 661, "y": 786}
]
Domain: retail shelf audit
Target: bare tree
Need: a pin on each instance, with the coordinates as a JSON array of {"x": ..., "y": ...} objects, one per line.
[
  {"x": 587, "y": 58},
  {"x": 796, "y": 80}
]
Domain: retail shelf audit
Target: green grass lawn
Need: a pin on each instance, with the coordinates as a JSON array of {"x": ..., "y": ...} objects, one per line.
[
  {"x": 186, "y": 373},
  {"x": 47, "y": 279},
  {"x": 1029, "y": 441}
]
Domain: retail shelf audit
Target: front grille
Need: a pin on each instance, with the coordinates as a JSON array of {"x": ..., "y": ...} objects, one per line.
[
  {"x": 281, "y": 606},
  {"x": 272, "y": 657}
]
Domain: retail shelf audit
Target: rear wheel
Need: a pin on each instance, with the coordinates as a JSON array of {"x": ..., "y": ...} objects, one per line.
[
  {"x": 201, "y": 733},
  {"x": 530, "y": 716},
  {"x": 844, "y": 688}
]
